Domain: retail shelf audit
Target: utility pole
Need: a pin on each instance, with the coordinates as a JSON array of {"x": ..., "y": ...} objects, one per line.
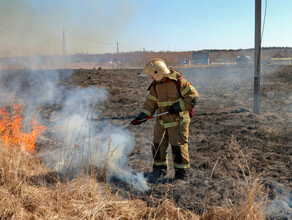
[
  {"x": 64, "y": 62},
  {"x": 63, "y": 44},
  {"x": 117, "y": 47},
  {"x": 257, "y": 56}
]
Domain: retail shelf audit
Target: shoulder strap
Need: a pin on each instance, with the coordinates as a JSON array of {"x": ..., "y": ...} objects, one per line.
[
  {"x": 153, "y": 83},
  {"x": 178, "y": 86}
]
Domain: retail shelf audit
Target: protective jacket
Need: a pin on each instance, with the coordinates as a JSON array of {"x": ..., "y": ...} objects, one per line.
[
  {"x": 163, "y": 95},
  {"x": 171, "y": 128}
]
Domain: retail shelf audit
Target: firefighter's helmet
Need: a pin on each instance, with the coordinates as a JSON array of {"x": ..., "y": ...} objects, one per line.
[{"x": 157, "y": 69}]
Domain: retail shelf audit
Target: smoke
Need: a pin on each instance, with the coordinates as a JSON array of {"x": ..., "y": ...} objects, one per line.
[
  {"x": 34, "y": 27},
  {"x": 30, "y": 88},
  {"x": 82, "y": 142},
  {"x": 87, "y": 143},
  {"x": 279, "y": 205}
]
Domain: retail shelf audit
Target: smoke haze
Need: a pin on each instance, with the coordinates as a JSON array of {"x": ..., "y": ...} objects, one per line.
[{"x": 35, "y": 27}]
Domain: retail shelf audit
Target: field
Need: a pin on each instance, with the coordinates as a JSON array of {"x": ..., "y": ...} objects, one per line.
[{"x": 236, "y": 156}]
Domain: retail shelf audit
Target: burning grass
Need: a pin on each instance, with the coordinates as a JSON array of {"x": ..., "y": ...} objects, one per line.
[{"x": 12, "y": 128}]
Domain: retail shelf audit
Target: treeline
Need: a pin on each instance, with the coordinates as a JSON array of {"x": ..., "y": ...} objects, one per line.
[
  {"x": 139, "y": 58},
  {"x": 134, "y": 58}
]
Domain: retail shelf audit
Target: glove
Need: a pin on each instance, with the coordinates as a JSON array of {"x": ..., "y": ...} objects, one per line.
[
  {"x": 175, "y": 108},
  {"x": 137, "y": 120}
]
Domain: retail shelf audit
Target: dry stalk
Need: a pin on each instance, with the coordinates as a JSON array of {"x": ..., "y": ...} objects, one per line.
[{"x": 246, "y": 186}]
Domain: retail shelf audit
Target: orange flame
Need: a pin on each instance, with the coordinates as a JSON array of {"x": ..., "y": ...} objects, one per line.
[{"x": 11, "y": 129}]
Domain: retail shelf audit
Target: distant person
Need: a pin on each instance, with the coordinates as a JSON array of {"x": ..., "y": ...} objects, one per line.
[{"x": 169, "y": 92}]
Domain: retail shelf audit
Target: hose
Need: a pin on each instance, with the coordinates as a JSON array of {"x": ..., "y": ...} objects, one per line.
[
  {"x": 186, "y": 140},
  {"x": 162, "y": 137}
]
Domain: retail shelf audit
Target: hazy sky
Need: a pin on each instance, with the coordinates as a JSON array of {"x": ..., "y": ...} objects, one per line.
[{"x": 29, "y": 27}]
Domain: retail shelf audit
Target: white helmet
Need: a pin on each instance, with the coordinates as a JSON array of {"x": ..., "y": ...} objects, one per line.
[{"x": 157, "y": 69}]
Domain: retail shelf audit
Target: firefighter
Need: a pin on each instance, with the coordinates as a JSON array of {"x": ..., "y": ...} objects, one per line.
[{"x": 168, "y": 92}]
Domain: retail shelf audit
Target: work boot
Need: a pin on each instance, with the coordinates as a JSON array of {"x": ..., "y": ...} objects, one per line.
[
  {"x": 181, "y": 174},
  {"x": 156, "y": 174}
]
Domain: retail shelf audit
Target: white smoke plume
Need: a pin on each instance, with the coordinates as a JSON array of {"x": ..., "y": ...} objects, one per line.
[
  {"x": 82, "y": 142},
  {"x": 86, "y": 143}
]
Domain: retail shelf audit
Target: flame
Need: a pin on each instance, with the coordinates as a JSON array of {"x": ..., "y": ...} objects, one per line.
[{"x": 11, "y": 128}]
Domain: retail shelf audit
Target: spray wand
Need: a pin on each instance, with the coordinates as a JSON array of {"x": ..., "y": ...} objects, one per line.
[{"x": 145, "y": 119}]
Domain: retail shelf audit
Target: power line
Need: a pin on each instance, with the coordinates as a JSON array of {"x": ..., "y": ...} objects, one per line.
[
  {"x": 84, "y": 38},
  {"x": 264, "y": 22},
  {"x": 99, "y": 42}
]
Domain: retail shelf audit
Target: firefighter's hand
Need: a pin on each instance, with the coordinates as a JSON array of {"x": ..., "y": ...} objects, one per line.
[
  {"x": 137, "y": 121},
  {"x": 175, "y": 108}
]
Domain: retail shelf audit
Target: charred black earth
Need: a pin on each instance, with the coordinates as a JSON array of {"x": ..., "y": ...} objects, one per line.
[{"x": 228, "y": 142}]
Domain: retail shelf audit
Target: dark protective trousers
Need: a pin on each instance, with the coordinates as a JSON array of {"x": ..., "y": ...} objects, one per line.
[{"x": 177, "y": 137}]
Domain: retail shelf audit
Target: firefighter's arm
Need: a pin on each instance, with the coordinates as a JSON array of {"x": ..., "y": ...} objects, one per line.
[
  {"x": 149, "y": 109},
  {"x": 190, "y": 95},
  {"x": 189, "y": 100},
  {"x": 150, "y": 105}
]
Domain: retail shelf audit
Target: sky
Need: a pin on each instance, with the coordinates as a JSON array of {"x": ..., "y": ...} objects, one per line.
[{"x": 30, "y": 27}]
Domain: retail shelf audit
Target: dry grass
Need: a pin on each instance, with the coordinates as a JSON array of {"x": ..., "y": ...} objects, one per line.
[
  {"x": 246, "y": 187},
  {"x": 250, "y": 208},
  {"x": 29, "y": 191},
  {"x": 26, "y": 192}
]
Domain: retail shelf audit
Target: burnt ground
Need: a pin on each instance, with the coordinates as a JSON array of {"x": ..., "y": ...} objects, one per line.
[{"x": 229, "y": 145}]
